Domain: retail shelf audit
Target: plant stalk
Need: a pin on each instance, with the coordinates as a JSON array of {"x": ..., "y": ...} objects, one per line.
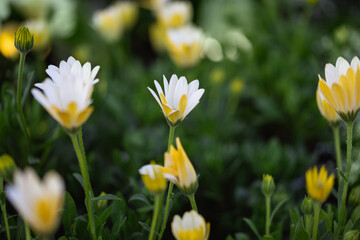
[
  {"x": 337, "y": 150},
  {"x": 267, "y": 220},
  {"x": 316, "y": 219},
  {"x": 193, "y": 202},
  {"x": 18, "y": 97},
  {"x": 155, "y": 215}
]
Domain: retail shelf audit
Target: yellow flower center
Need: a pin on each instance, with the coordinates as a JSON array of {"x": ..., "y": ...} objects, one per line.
[{"x": 44, "y": 210}]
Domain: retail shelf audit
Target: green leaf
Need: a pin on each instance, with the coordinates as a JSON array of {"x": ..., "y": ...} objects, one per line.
[
  {"x": 253, "y": 227},
  {"x": 105, "y": 215},
  {"x": 62, "y": 238},
  {"x": 69, "y": 212},
  {"x": 241, "y": 236},
  {"x": 327, "y": 220},
  {"x": 342, "y": 175},
  {"x": 268, "y": 237},
  {"x": 115, "y": 231},
  {"x": 139, "y": 197},
  {"x": 294, "y": 216},
  {"x": 278, "y": 206},
  {"x": 348, "y": 226},
  {"x": 145, "y": 226},
  {"x": 106, "y": 197},
  {"x": 327, "y": 236},
  {"x": 79, "y": 178},
  {"x": 355, "y": 214},
  {"x": 300, "y": 232}
]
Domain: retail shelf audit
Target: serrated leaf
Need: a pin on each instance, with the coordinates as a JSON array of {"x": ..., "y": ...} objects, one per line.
[
  {"x": 278, "y": 206},
  {"x": 252, "y": 227},
  {"x": 106, "y": 197}
]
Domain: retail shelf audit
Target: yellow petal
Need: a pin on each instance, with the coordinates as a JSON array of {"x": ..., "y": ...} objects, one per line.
[
  {"x": 182, "y": 104},
  {"x": 84, "y": 115},
  {"x": 357, "y": 87},
  {"x": 174, "y": 116},
  {"x": 339, "y": 96},
  {"x": 326, "y": 92}
]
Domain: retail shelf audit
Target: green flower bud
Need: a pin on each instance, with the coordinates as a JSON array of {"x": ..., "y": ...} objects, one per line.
[
  {"x": 268, "y": 185},
  {"x": 24, "y": 40},
  {"x": 7, "y": 167},
  {"x": 307, "y": 206},
  {"x": 352, "y": 235},
  {"x": 101, "y": 204}
]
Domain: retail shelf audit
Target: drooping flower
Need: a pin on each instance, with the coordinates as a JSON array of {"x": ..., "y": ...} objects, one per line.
[
  {"x": 38, "y": 202},
  {"x": 179, "y": 99},
  {"x": 319, "y": 184},
  {"x": 185, "y": 45},
  {"x": 342, "y": 87},
  {"x": 179, "y": 170},
  {"x": 153, "y": 178},
  {"x": 326, "y": 110},
  {"x": 191, "y": 226},
  {"x": 66, "y": 95},
  {"x": 175, "y": 14}
]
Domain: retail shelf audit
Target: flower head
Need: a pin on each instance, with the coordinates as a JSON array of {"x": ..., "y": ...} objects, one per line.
[
  {"x": 108, "y": 23},
  {"x": 191, "y": 226},
  {"x": 179, "y": 170},
  {"x": 268, "y": 185},
  {"x": 326, "y": 110},
  {"x": 66, "y": 95},
  {"x": 342, "y": 87},
  {"x": 38, "y": 202},
  {"x": 179, "y": 99},
  {"x": 129, "y": 12},
  {"x": 319, "y": 184},
  {"x": 153, "y": 178},
  {"x": 175, "y": 14},
  {"x": 185, "y": 45}
]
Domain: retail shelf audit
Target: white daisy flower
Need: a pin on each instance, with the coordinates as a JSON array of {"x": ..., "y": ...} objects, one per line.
[
  {"x": 179, "y": 98},
  {"x": 175, "y": 14},
  {"x": 191, "y": 226}
]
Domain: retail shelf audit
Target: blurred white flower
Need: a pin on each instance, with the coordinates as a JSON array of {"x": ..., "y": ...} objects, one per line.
[
  {"x": 38, "y": 202},
  {"x": 191, "y": 226},
  {"x": 66, "y": 95},
  {"x": 41, "y": 31},
  {"x": 175, "y": 14}
]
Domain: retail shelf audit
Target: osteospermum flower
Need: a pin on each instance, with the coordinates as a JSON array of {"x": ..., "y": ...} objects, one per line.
[
  {"x": 185, "y": 45},
  {"x": 175, "y": 14},
  {"x": 326, "y": 110},
  {"x": 66, "y": 95},
  {"x": 179, "y": 170},
  {"x": 153, "y": 178},
  {"x": 319, "y": 184},
  {"x": 342, "y": 87},
  {"x": 179, "y": 99},
  {"x": 108, "y": 23},
  {"x": 38, "y": 202},
  {"x": 191, "y": 226}
]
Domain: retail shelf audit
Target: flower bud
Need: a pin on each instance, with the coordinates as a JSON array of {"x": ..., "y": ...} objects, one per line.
[
  {"x": 101, "y": 204},
  {"x": 24, "y": 40},
  {"x": 7, "y": 167},
  {"x": 306, "y": 206},
  {"x": 153, "y": 178},
  {"x": 268, "y": 185}
]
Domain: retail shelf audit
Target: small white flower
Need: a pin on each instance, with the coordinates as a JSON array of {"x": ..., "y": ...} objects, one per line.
[
  {"x": 191, "y": 226},
  {"x": 38, "y": 202},
  {"x": 175, "y": 14},
  {"x": 185, "y": 45},
  {"x": 179, "y": 99},
  {"x": 66, "y": 95},
  {"x": 108, "y": 22}
]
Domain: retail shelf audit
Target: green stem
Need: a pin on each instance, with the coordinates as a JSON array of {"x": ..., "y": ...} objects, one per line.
[
  {"x": 155, "y": 215},
  {"x": 308, "y": 224},
  {"x": 337, "y": 150},
  {"x": 349, "y": 128},
  {"x": 27, "y": 230},
  {"x": 316, "y": 219},
  {"x": 171, "y": 136},
  {"x": 267, "y": 220},
  {"x": 81, "y": 144},
  {"x": 193, "y": 202},
  {"x": 3, "y": 209},
  {"x": 87, "y": 186},
  {"x": 18, "y": 96}
]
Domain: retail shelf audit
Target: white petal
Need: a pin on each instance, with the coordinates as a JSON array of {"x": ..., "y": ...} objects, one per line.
[
  {"x": 94, "y": 72},
  {"x": 39, "y": 96},
  {"x": 172, "y": 85},
  {"x": 355, "y": 64},
  {"x": 166, "y": 87},
  {"x": 331, "y": 74},
  {"x": 193, "y": 101},
  {"x": 158, "y": 88},
  {"x": 193, "y": 86},
  {"x": 155, "y": 96},
  {"x": 342, "y": 66}
]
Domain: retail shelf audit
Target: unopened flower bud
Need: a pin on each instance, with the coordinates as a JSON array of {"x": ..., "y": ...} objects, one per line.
[
  {"x": 268, "y": 185},
  {"x": 7, "y": 167},
  {"x": 24, "y": 40},
  {"x": 101, "y": 204},
  {"x": 307, "y": 206}
]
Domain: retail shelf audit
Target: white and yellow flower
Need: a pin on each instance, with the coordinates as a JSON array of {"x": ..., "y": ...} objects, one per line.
[
  {"x": 342, "y": 87},
  {"x": 179, "y": 99},
  {"x": 185, "y": 45},
  {"x": 38, "y": 202},
  {"x": 179, "y": 170},
  {"x": 153, "y": 178},
  {"x": 129, "y": 12},
  {"x": 326, "y": 110},
  {"x": 66, "y": 95},
  {"x": 191, "y": 226},
  {"x": 175, "y": 14},
  {"x": 108, "y": 23}
]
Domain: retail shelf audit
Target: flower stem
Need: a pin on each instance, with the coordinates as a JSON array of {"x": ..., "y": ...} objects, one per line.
[
  {"x": 155, "y": 215},
  {"x": 27, "y": 230},
  {"x": 3, "y": 209},
  {"x": 193, "y": 202},
  {"x": 18, "y": 97},
  {"x": 87, "y": 186},
  {"x": 171, "y": 136},
  {"x": 81, "y": 144},
  {"x": 349, "y": 128},
  {"x": 267, "y": 220},
  {"x": 308, "y": 224},
  {"x": 337, "y": 150},
  {"x": 316, "y": 219}
]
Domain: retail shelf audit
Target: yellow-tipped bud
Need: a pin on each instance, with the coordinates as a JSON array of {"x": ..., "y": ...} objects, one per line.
[
  {"x": 307, "y": 206},
  {"x": 7, "y": 167},
  {"x": 101, "y": 204},
  {"x": 319, "y": 184},
  {"x": 24, "y": 40},
  {"x": 268, "y": 185},
  {"x": 153, "y": 178}
]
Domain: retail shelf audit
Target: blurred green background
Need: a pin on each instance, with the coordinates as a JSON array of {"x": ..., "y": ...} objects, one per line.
[{"x": 258, "y": 114}]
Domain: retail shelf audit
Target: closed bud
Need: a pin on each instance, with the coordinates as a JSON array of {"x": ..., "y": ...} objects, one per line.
[
  {"x": 7, "y": 167},
  {"x": 268, "y": 185},
  {"x": 307, "y": 206},
  {"x": 153, "y": 178},
  {"x": 101, "y": 204},
  {"x": 24, "y": 40}
]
